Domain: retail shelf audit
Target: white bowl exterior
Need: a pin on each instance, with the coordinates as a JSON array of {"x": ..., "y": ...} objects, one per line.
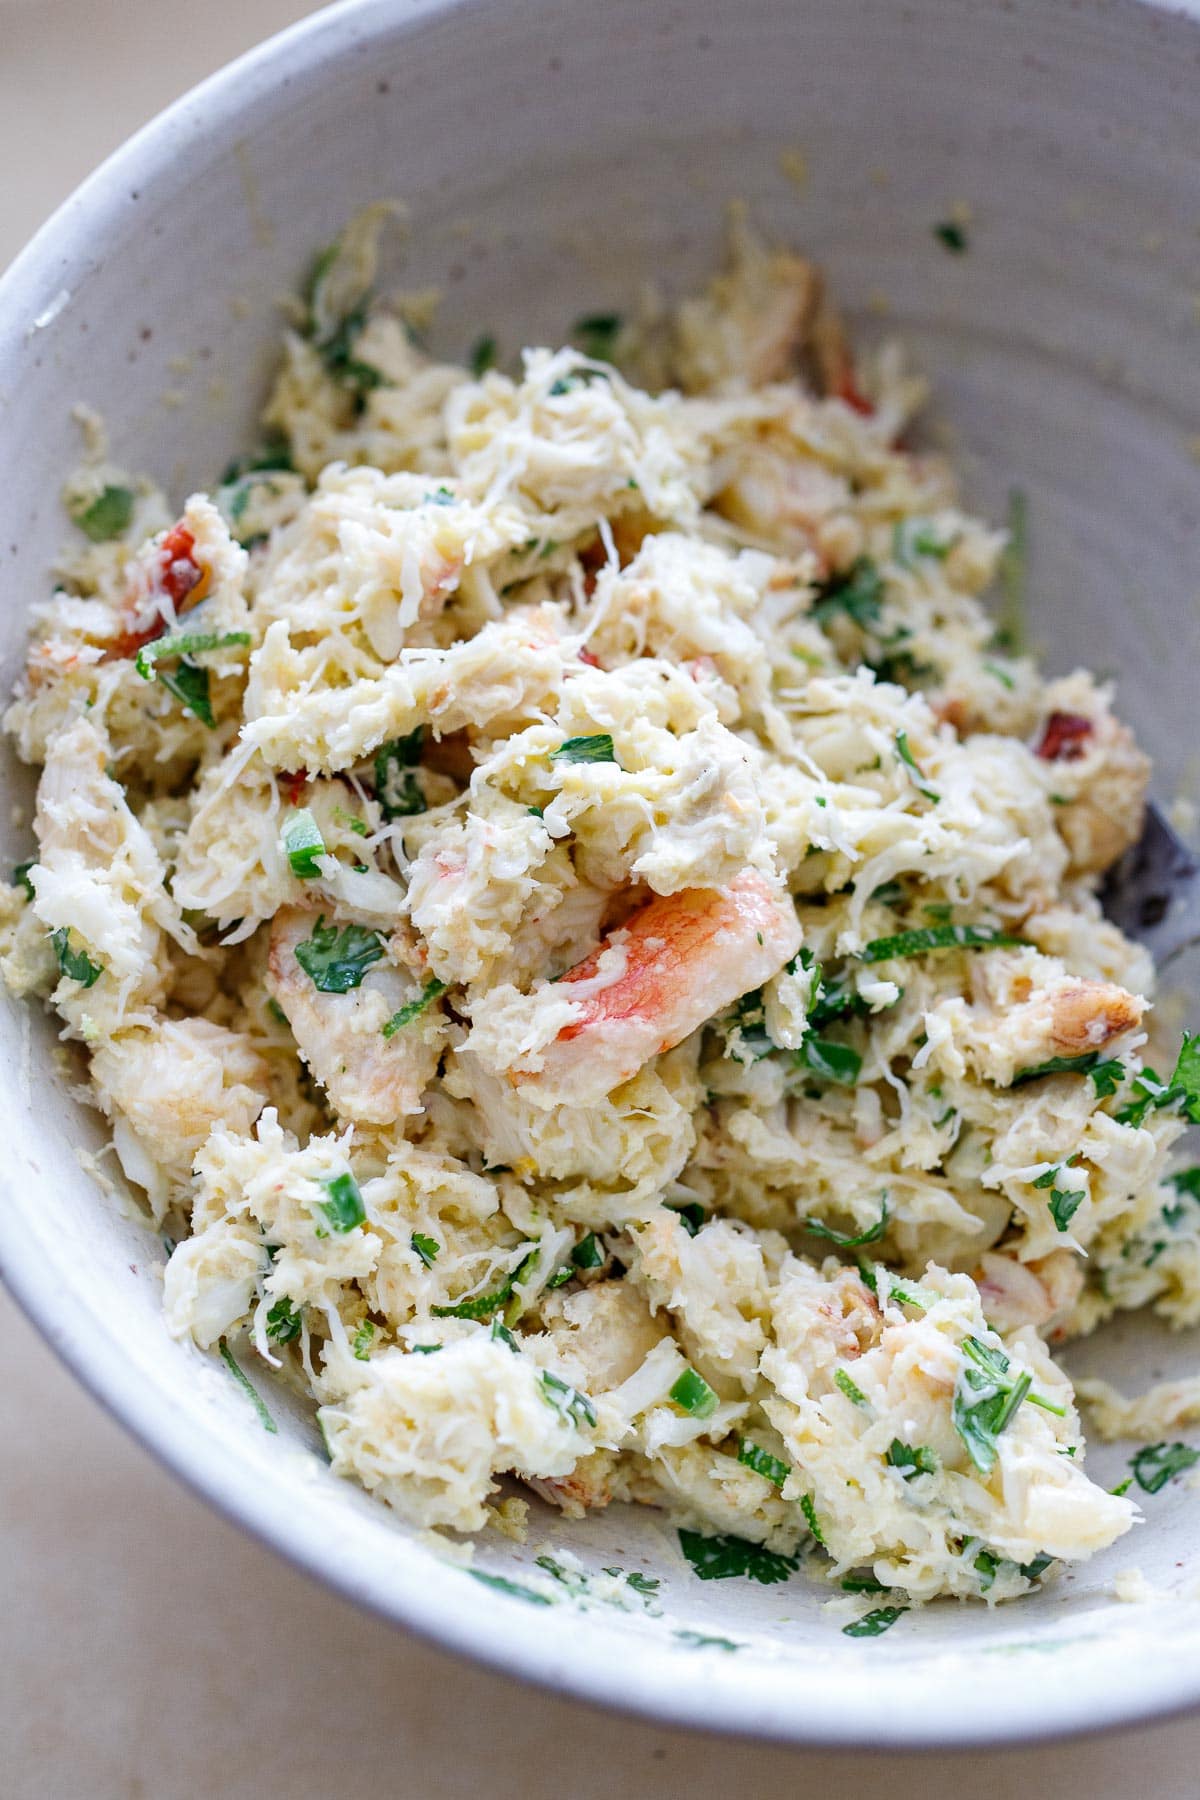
[{"x": 555, "y": 154}]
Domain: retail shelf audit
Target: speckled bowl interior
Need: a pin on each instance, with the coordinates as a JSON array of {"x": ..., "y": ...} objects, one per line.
[{"x": 555, "y": 154}]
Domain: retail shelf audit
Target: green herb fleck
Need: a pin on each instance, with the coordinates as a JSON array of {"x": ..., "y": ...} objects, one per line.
[
  {"x": 904, "y": 752},
  {"x": 20, "y": 877},
  {"x": 1064, "y": 1204},
  {"x": 850, "y": 1388},
  {"x": 77, "y": 965},
  {"x": 808, "y": 1508},
  {"x": 344, "y": 1208},
  {"x": 870, "y": 1235},
  {"x": 857, "y": 593},
  {"x": 427, "y": 1248},
  {"x": 483, "y": 355},
  {"x": 396, "y": 786},
  {"x": 516, "y": 1589},
  {"x": 1157, "y": 1464},
  {"x": 596, "y": 334},
  {"x": 701, "y": 1640},
  {"x": 247, "y": 1387},
  {"x": 482, "y": 1306},
  {"x": 364, "y": 1337},
  {"x": 927, "y": 938},
  {"x": 184, "y": 643},
  {"x": 829, "y": 1060},
  {"x": 597, "y": 748},
  {"x": 875, "y": 1623},
  {"x": 862, "y": 1583},
  {"x": 189, "y": 684},
  {"x": 567, "y": 1400},
  {"x": 412, "y": 1009},
  {"x": 690, "y": 1213},
  {"x": 693, "y": 1395},
  {"x": 912, "y": 1459},
  {"x": 985, "y": 1399},
  {"x": 588, "y": 1253},
  {"x": 303, "y": 844},
  {"x": 336, "y": 961},
  {"x": 722, "y": 1558},
  {"x": 107, "y": 516},
  {"x": 753, "y": 1456},
  {"x": 951, "y": 236},
  {"x": 1058, "y": 1065},
  {"x": 283, "y": 1321}
]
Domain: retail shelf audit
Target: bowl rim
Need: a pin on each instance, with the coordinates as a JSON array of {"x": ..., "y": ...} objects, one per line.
[{"x": 485, "y": 1626}]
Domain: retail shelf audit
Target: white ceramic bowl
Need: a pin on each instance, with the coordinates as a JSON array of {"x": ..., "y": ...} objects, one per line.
[{"x": 554, "y": 154}]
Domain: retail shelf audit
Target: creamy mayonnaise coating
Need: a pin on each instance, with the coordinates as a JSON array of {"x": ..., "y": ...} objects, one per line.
[{"x": 568, "y": 909}]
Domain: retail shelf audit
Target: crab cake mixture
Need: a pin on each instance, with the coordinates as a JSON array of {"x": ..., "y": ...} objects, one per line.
[{"x": 588, "y": 940}]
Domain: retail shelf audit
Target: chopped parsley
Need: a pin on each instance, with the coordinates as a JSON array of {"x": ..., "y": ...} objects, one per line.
[
  {"x": 692, "y": 1394},
  {"x": 690, "y": 1213},
  {"x": 427, "y": 1248},
  {"x": 396, "y": 786},
  {"x": 303, "y": 843},
  {"x": 516, "y": 1589},
  {"x": 588, "y": 1253},
  {"x": 850, "y": 1388},
  {"x": 184, "y": 643},
  {"x": 1184, "y": 1086},
  {"x": 597, "y": 748},
  {"x": 344, "y": 1208},
  {"x": 107, "y": 516},
  {"x": 700, "y": 1640},
  {"x": 336, "y": 343},
  {"x": 915, "y": 538},
  {"x": 336, "y": 961},
  {"x": 721, "y": 1558},
  {"x": 482, "y": 1306},
  {"x": 1107, "y": 1077},
  {"x": 1064, "y": 1203},
  {"x": 1157, "y": 1464},
  {"x": 985, "y": 1399},
  {"x": 875, "y": 1623},
  {"x": 862, "y": 1583},
  {"x": 190, "y": 685},
  {"x": 596, "y": 334},
  {"x": 364, "y": 1337},
  {"x": 77, "y": 965},
  {"x": 753, "y": 1456},
  {"x": 483, "y": 355},
  {"x": 567, "y": 1399},
  {"x": 904, "y": 752},
  {"x": 934, "y": 937},
  {"x": 951, "y": 236},
  {"x": 912, "y": 1459},
  {"x": 870, "y": 1235},
  {"x": 247, "y": 1387},
  {"x": 1058, "y": 1065},
  {"x": 283, "y": 1321},
  {"x": 857, "y": 593},
  {"x": 412, "y": 1009},
  {"x": 831, "y": 1061}
]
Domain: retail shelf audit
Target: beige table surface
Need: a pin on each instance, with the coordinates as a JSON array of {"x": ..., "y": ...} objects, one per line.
[{"x": 147, "y": 1649}]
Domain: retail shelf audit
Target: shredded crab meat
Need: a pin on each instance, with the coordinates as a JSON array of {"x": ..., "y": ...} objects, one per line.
[{"x": 594, "y": 954}]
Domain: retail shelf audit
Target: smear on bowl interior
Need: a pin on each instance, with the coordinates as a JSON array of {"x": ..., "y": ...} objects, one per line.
[{"x": 590, "y": 944}]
